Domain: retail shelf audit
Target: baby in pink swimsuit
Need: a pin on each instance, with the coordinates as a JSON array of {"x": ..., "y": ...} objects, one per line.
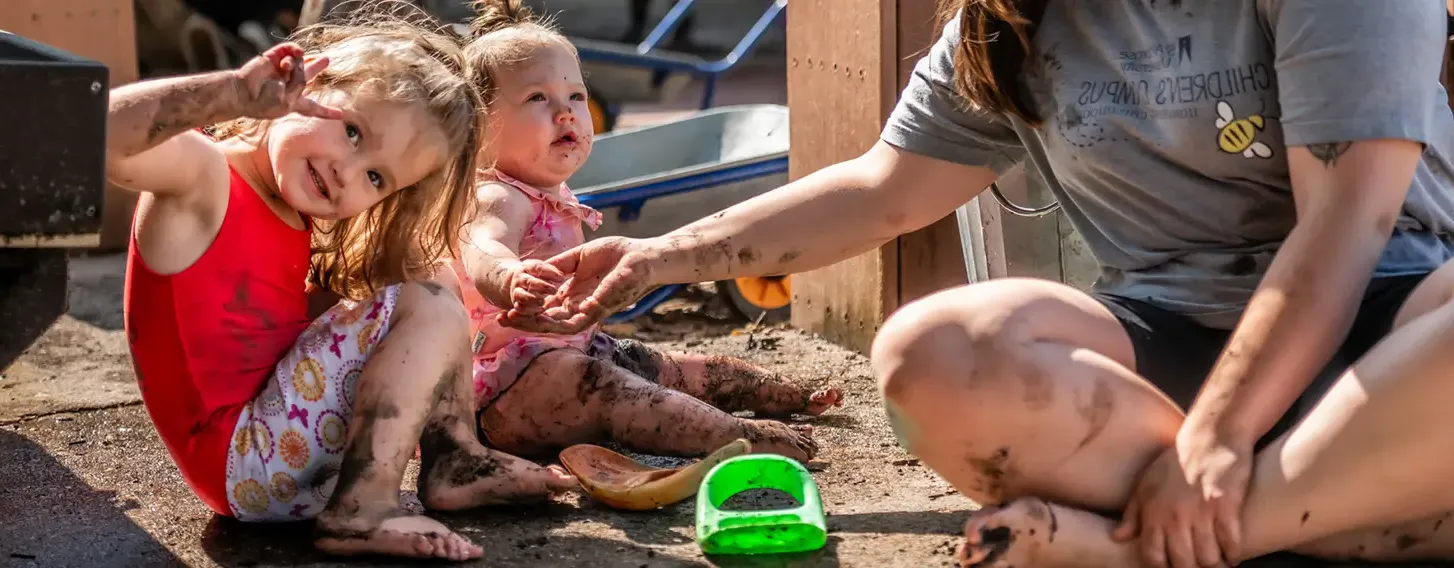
[{"x": 539, "y": 392}]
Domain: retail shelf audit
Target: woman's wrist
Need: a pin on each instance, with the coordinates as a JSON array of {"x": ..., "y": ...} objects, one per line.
[{"x": 662, "y": 263}]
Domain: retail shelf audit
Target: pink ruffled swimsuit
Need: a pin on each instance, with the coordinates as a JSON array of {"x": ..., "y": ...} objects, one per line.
[{"x": 502, "y": 353}]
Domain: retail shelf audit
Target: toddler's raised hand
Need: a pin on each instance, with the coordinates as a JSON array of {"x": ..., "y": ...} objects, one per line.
[{"x": 271, "y": 85}]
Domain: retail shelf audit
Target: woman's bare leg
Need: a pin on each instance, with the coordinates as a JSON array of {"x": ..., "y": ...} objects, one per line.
[
  {"x": 1021, "y": 387},
  {"x": 1311, "y": 490},
  {"x": 727, "y": 383},
  {"x": 565, "y": 397},
  {"x": 1371, "y": 453}
]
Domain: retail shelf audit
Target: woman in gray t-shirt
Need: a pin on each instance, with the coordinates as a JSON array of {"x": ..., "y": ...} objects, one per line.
[{"x": 1266, "y": 186}]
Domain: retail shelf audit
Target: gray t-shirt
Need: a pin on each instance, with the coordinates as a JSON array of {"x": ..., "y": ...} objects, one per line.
[{"x": 1166, "y": 125}]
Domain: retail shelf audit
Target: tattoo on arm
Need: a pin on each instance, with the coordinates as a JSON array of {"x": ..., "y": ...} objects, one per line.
[{"x": 1329, "y": 152}]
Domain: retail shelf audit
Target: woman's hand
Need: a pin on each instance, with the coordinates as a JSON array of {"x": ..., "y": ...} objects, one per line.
[
  {"x": 604, "y": 275},
  {"x": 271, "y": 85},
  {"x": 1187, "y": 506}
]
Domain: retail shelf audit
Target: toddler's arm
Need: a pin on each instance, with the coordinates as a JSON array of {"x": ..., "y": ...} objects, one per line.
[
  {"x": 152, "y": 144},
  {"x": 492, "y": 241}
]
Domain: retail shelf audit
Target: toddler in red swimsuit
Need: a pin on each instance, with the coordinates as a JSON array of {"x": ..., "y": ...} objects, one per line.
[{"x": 361, "y": 151}]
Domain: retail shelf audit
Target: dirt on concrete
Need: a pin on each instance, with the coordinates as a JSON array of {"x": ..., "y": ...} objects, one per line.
[{"x": 86, "y": 481}]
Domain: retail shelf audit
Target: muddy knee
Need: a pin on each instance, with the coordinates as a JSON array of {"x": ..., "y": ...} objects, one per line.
[
  {"x": 958, "y": 354},
  {"x": 433, "y": 303},
  {"x": 951, "y": 340},
  {"x": 636, "y": 357}
]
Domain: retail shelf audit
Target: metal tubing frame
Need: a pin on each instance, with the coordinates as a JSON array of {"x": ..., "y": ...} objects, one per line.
[{"x": 708, "y": 70}]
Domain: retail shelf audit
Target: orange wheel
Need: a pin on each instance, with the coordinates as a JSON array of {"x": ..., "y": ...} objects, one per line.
[
  {"x": 600, "y": 119},
  {"x": 768, "y": 292},
  {"x": 767, "y": 297}
]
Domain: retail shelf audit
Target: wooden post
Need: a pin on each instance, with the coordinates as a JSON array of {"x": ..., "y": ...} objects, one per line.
[
  {"x": 932, "y": 258},
  {"x": 103, "y": 30},
  {"x": 841, "y": 87},
  {"x": 848, "y": 60}
]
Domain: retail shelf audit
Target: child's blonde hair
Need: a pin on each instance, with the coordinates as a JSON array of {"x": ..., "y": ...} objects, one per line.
[
  {"x": 392, "y": 57},
  {"x": 503, "y": 33}
]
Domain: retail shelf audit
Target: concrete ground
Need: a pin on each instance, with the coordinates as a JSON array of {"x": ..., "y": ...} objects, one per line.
[
  {"x": 84, "y": 480},
  {"x": 88, "y": 483}
]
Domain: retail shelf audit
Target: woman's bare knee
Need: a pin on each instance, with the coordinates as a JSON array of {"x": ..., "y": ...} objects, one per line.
[
  {"x": 977, "y": 335},
  {"x": 962, "y": 345}
]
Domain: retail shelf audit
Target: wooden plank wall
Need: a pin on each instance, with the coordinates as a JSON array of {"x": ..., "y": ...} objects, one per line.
[
  {"x": 930, "y": 259},
  {"x": 841, "y": 87},
  {"x": 103, "y": 30},
  {"x": 848, "y": 60}
]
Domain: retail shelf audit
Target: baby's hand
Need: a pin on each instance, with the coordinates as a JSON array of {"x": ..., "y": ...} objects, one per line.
[
  {"x": 271, "y": 85},
  {"x": 531, "y": 283}
]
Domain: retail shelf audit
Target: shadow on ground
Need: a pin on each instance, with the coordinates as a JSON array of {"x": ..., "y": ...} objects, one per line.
[{"x": 43, "y": 503}]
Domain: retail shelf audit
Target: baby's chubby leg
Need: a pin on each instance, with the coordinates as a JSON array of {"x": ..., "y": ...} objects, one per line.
[
  {"x": 566, "y": 397},
  {"x": 725, "y": 382}
]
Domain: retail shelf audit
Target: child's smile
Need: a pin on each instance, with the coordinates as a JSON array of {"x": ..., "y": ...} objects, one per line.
[{"x": 318, "y": 182}]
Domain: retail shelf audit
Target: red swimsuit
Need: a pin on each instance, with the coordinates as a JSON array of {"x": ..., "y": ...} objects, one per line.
[{"x": 205, "y": 340}]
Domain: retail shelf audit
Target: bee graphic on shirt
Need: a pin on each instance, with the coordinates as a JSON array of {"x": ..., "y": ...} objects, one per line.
[{"x": 1239, "y": 135}]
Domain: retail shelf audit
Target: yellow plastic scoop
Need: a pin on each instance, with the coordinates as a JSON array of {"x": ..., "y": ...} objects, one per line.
[{"x": 623, "y": 483}]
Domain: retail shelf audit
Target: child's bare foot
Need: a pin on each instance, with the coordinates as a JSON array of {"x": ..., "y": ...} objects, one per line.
[
  {"x": 773, "y": 437},
  {"x": 823, "y": 399},
  {"x": 733, "y": 385},
  {"x": 393, "y": 533},
  {"x": 462, "y": 478},
  {"x": 1029, "y": 532},
  {"x": 782, "y": 400}
]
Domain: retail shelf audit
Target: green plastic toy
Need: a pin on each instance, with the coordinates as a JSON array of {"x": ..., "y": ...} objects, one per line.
[{"x": 777, "y": 531}]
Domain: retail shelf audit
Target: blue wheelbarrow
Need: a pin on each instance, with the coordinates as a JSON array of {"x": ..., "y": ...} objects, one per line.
[
  {"x": 652, "y": 180},
  {"x": 609, "y": 64}
]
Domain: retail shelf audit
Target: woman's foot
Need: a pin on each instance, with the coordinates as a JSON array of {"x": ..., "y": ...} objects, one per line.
[
  {"x": 466, "y": 478},
  {"x": 773, "y": 437},
  {"x": 1030, "y": 533},
  {"x": 395, "y": 533}
]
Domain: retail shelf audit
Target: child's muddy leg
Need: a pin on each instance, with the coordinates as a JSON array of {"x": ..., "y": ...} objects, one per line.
[
  {"x": 407, "y": 373},
  {"x": 457, "y": 472},
  {"x": 565, "y": 397},
  {"x": 728, "y": 383}
]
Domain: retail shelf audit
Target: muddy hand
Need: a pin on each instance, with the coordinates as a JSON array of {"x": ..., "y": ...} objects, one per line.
[
  {"x": 271, "y": 85},
  {"x": 607, "y": 275},
  {"x": 533, "y": 283}
]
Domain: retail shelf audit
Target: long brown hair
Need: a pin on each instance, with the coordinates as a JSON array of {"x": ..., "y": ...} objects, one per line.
[
  {"x": 994, "y": 50},
  {"x": 384, "y": 55}
]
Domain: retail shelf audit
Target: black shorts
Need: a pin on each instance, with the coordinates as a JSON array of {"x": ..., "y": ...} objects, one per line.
[{"x": 1175, "y": 353}]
